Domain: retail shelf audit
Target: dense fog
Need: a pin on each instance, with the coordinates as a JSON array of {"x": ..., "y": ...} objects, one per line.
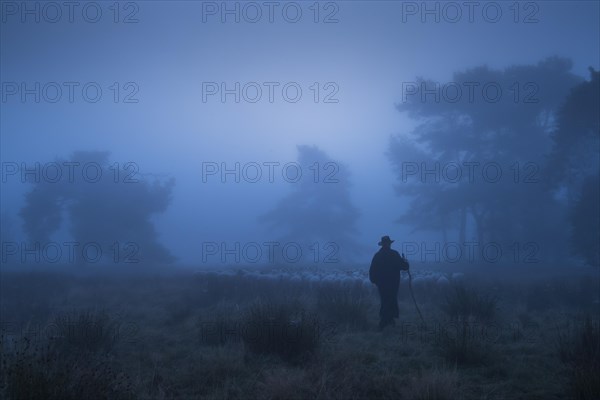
[
  {"x": 173, "y": 170},
  {"x": 321, "y": 127}
]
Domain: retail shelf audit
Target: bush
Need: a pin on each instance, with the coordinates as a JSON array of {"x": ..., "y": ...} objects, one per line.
[
  {"x": 284, "y": 330},
  {"x": 218, "y": 330},
  {"x": 579, "y": 347},
  {"x": 467, "y": 345},
  {"x": 466, "y": 304},
  {"x": 86, "y": 331},
  {"x": 73, "y": 364},
  {"x": 434, "y": 385},
  {"x": 347, "y": 306},
  {"x": 40, "y": 371}
]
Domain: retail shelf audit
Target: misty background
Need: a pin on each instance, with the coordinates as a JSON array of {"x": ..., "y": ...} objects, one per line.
[{"x": 364, "y": 126}]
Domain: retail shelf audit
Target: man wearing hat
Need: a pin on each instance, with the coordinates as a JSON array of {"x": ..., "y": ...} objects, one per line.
[{"x": 385, "y": 273}]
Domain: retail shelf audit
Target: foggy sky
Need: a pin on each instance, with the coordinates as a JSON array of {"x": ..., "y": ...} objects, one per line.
[{"x": 170, "y": 52}]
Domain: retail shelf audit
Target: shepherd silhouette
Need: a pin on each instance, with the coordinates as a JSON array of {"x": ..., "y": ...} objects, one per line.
[{"x": 385, "y": 274}]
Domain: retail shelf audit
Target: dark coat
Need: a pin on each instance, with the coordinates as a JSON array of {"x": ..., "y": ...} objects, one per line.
[{"x": 385, "y": 269}]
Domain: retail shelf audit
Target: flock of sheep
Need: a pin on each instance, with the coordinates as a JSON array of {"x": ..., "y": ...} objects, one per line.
[{"x": 314, "y": 277}]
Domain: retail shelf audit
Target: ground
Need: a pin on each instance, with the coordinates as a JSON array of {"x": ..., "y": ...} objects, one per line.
[{"x": 281, "y": 333}]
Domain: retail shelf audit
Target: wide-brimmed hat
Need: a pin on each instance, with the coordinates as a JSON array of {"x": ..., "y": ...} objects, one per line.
[{"x": 385, "y": 240}]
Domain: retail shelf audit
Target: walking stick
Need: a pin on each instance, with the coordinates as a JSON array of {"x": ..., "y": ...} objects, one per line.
[{"x": 412, "y": 294}]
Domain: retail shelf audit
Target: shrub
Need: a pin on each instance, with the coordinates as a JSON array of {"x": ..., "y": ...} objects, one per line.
[
  {"x": 41, "y": 371},
  {"x": 579, "y": 347},
  {"x": 347, "y": 306},
  {"x": 86, "y": 331},
  {"x": 466, "y": 304},
  {"x": 284, "y": 330},
  {"x": 218, "y": 330},
  {"x": 466, "y": 345},
  {"x": 434, "y": 385}
]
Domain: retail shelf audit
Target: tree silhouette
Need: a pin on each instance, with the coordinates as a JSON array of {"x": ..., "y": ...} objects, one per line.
[
  {"x": 7, "y": 233},
  {"x": 585, "y": 217},
  {"x": 509, "y": 130},
  {"x": 112, "y": 212},
  {"x": 318, "y": 213},
  {"x": 574, "y": 165}
]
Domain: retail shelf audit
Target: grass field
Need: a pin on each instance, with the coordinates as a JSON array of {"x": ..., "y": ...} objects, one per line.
[{"x": 206, "y": 334}]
